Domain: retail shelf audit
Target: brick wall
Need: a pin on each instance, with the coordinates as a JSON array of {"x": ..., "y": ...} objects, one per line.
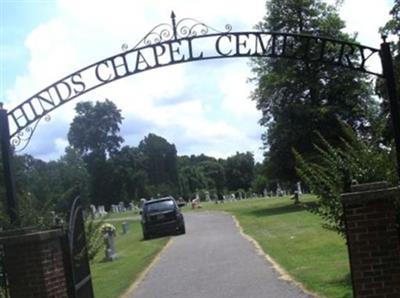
[
  {"x": 373, "y": 240},
  {"x": 34, "y": 263}
]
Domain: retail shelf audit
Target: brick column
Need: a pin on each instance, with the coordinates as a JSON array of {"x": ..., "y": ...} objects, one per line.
[
  {"x": 34, "y": 264},
  {"x": 373, "y": 240}
]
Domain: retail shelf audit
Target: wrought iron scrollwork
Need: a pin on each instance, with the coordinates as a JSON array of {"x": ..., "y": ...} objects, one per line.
[
  {"x": 184, "y": 28},
  {"x": 22, "y": 139}
]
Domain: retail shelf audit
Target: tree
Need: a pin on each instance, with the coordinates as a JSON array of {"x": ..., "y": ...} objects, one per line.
[
  {"x": 94, "y": 133},
  {"x": 299, "y": 97},
  {"x": 191, "y": 180},
  {"x": 200, "y": 174},
  {"x": 160, "y": 164},
  {"x": 260, "y": 181},
  {"x": 239, "y": 171},
  {"x": 96, "y": 128},
  {"x": 74, "y": 179},
  {"x": 129, "y": 174},
  {"x": 215, "y": 175}
]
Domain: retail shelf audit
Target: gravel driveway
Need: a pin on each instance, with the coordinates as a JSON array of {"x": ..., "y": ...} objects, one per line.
[{"x": 213, "y": 260}]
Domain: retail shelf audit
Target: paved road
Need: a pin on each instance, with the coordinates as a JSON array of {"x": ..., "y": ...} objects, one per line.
[{"x": 213, "y": 260}]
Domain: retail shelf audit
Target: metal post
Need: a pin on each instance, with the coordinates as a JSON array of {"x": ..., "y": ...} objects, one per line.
[
  {"x": 6, "y": 155},
  {"x": 388, "y": 72}
]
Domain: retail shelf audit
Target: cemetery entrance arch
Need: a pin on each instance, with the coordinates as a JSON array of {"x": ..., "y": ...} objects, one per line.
[{"x": 181, "y": 41}]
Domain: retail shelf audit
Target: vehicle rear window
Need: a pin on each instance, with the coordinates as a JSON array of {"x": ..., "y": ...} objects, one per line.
[{"x": 160, "y": 206}]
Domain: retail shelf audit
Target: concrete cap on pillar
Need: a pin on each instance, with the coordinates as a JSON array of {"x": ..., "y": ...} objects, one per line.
[{"x": 370, "y": 191}]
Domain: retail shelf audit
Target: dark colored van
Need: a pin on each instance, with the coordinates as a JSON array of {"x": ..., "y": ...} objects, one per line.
[{"x": 162, "y": 216}]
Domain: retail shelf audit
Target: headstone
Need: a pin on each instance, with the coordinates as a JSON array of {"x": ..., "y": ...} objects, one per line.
[
  {"x": 121, "y": 207},
  {"x": 299, "y": 191},
  {"x": 207, "y": 196},
  {"x": 278, "y": 190},
  {"x": 142, "y": 200},
  {"x": 265, "y": 192},
  {"x": 101, "y": 210},
  {"x": 109, "y": 242},
  {"x": 125, "y": 227},
  {"x": 93, "y": 211},
  {"x": 132, "y": 206},
  {"x": 114, "y": 208}
]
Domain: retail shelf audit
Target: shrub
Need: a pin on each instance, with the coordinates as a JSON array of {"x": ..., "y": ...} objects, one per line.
[{"x": 335, "y": 168}]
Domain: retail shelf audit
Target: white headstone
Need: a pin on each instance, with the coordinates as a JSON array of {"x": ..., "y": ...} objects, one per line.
[
  {"x": 299, "y": 191},
  {"x": 93, "y": 211},
  {"x": 131, "y": 206},
  {"x": 114, "y": 208},
  {"x": 101, "y": 210}
]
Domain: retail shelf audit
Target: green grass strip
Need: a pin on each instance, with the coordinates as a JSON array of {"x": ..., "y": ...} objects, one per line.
[{"x": 111, "y": 279}]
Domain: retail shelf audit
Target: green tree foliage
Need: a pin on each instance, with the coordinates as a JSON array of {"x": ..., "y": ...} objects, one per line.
[
  {"x": 94, "y": 133},
  {"x": 214, "y": 173},
  {"x": 129, "y": 174},
  {"x": 96, "y": 128},
  {"x": 198, "y": 174},
  {"x": 298, "y": 97},
  {"x": 239, "y": 171},
  {"x": 260, "y": 181},
  {"x": 74, "y": 179},
  {"x": 336, "y": 168},
  {"x": 47, "y": 187},
  {"x": 191, "y": 180},
  {"x": 160, "y": 163}
]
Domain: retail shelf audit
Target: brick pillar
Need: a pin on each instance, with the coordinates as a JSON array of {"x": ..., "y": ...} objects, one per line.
[
  {"x": 373, "y": 240},
  {"x": 34, "y": 264}
]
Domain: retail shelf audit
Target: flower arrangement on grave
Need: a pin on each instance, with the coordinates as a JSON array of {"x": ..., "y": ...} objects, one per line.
[{"x": 108, "y": 228}]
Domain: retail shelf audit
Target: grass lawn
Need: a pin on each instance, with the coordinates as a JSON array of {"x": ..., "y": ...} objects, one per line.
[
  {"x": 295, "y": 239},
  {"x": 121, "y": 215},
  {"x": 292, "y": 236},
  {"x": 111, "y": 279}
]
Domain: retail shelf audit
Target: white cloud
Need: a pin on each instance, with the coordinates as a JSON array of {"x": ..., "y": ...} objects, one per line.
[{"x": 365, "y": 18}]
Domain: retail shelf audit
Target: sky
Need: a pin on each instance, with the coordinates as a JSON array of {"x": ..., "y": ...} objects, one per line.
[{"x": 201, "y": 107}]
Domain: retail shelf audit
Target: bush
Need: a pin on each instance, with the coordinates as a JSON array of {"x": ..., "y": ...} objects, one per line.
[{"x": 334, "y": 169}]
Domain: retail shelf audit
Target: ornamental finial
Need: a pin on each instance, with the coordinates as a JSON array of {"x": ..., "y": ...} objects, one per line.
[{"x": 174, "y": 25}]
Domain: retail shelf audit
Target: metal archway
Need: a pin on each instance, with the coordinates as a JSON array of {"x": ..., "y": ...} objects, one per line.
[{"x": 186, "y": 40}]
